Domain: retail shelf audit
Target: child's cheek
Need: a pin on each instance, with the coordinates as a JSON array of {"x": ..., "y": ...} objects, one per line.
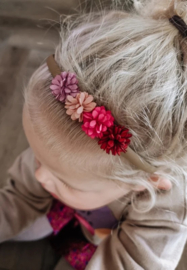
[
  {"x": 46, "y": 183},
  {"x": 38, "y": 176},
  {"x": 42, "y": 184}
]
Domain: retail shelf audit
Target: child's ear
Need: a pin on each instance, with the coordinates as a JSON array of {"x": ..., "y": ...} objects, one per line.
[
  {"x": 160, "y": 182},
  {"x": 157, "y": 182}
]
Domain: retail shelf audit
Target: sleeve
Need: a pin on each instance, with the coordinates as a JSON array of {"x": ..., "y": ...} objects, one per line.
[
  {"x": 23, "y": 199},
  {"x": 154, "y": 240}
]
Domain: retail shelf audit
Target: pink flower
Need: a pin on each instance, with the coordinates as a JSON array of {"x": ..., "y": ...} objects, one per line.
[
  {"x": 81, "y": 103},
  {"x": 97, "y": 122},
  {"x": 64, "y": 84}
]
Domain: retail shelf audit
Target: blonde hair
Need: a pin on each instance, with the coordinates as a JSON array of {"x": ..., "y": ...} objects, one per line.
[{"x": 132, "y": 64}]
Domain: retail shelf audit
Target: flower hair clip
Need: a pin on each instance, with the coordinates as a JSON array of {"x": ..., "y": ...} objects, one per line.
[{"x": 97, "y": 121}]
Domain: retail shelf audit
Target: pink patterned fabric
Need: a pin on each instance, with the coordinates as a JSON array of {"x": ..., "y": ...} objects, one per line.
[
  {"x": 59, "y": 216},
  {"x": 79, "y": 257}
]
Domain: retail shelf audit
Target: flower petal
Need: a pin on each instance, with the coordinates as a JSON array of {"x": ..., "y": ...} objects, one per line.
[
  {"x": 88, "y": 99},
  {"x": 101, "y": 117},
  {"x": 93, "y": 123},
  {"x": 72, "y": 86},
  {"x": 54, "y": 87},
  {"x": 104, "y": 129},
  {"x": 57, "y": 79},
  {"x": 80, "y": 110},
  {"x": 73, "y": 117},
  {"x": 70, "y": 98},
  {"x": 74, "y": 80},
  {"x": 81, "y": 97},
  {"x": 95, "y": 114},
  {"x": 69, "y": 112},
  {"x": 89, "y": 107},
  {"x": 67, "y": 91},
  {"x": 81, "y": 117},
  {"x": 64, "y": 74},
  {"x": 74, "y": 94},
  {"x": 87, "y": 124},
  {"x": 73, "y": 107},
  {"x": 90, "y": 132}
]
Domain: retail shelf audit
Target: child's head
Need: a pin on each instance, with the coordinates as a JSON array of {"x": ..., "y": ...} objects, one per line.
[{"x": 132, "y": 65}]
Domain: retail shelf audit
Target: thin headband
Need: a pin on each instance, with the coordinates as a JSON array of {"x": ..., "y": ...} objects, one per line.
[
  {"x": 129, "y": 154},
  {"x": 180, "y": 24}
]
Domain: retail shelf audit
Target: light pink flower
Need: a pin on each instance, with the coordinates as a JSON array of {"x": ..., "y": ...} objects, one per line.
[
  {"x": 64, "y": 84},
  {"x": 81, "y": 103},
  {"x": 97, "y": 122}
]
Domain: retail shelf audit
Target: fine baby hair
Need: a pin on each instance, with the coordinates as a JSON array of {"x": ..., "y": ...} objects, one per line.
[{"x": 134, "y": 64}]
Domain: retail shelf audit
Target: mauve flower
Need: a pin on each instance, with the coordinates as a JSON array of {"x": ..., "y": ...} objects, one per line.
[
  {"x": 81, "y": 103},
  {"x": 115, "y": 140},
  {"x": 97, "y": 122},
  {"x": 63, "y": 85}
]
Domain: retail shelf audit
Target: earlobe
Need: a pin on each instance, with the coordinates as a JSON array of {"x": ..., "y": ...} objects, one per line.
[
  {"x": 157, "y": 182},
  {"x": 160, "y": 182}
]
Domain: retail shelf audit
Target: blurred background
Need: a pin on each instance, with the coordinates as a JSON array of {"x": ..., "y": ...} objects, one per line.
[{"x": 28, "y": 34}]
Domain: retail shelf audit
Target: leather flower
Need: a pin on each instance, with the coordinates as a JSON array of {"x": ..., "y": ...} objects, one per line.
[
  {"x": 83, "y": 102},
  {"x": 95, "y": 123},
  {"x": 64, "y": 84},
  {"x": 115, "y": 140}
]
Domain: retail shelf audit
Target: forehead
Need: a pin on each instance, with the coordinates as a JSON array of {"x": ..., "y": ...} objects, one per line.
[{"x": 70, "y": 172}]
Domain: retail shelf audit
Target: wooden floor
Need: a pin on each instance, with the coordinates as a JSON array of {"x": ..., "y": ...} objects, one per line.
[
  {"x": 36, "y": 255},
  {"x": 25, "y": 42}
]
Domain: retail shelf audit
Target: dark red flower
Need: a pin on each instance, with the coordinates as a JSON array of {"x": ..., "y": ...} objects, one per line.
[{"x": 115, "y": 140}]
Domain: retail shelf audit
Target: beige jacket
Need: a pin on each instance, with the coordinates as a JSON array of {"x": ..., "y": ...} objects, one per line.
[{"x": 150, "y": 241}]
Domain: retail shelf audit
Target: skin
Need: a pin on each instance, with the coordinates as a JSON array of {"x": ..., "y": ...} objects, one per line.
[{"x": 70, "y": 184}]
